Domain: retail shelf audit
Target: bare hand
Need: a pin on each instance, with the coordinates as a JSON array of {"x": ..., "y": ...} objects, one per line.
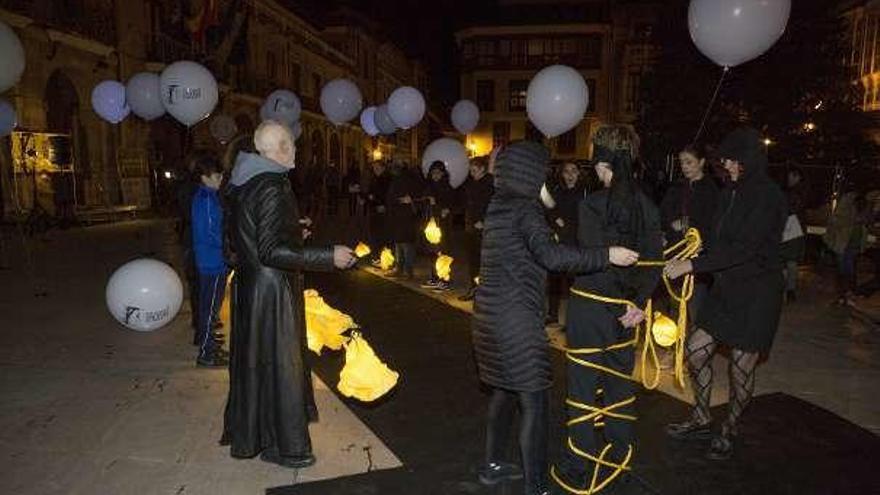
[
  {"x": 305, "y": 221},
  {"x": 560, "y": 222},
  {"x": 622, "y": 256},
  {"x": 307, "y": 234},
  {"x": 632, "y": 318},
  {"x": 677, "y": 268},
  {"x": 343, "y": 257},
  {"x": 478, "y": 225},
  {"x": 678, "y": 225}
]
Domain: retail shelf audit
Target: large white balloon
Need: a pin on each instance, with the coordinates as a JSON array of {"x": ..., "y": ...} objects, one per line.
[
  {"x": 144, "y": 294},
  {"x": 383, "y": 120},
  {"x": 465, "y": 116},
  {"x": 731, "y": 32},
  {"x": 108, "y": 101},
  {"x": 341, "y": 101},
  {"x": 281, "y": 105},
  {"x": 144, "y": 96},
  {"x": 406, "y": 106},
  {"x": 189, "y": 92},
  {"x": 368, "y": 122},
  {"x": 12, "y": 55},
  {"x": 557, "y": 100},
  {"x": 453, "y": 154}
]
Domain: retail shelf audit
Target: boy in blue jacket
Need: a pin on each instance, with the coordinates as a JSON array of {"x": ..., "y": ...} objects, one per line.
[{"x": 207, "y": 234}]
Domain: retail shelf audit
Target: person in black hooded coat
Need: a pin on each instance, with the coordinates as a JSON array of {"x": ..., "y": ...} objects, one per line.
[
  {"x": 510, "y": 343},
  {"x": 743, "y": 306},
  {"x": 270, "y": 398}
]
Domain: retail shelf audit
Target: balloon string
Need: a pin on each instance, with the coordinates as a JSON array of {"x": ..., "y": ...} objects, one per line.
[{"x": 711, "y": 104}]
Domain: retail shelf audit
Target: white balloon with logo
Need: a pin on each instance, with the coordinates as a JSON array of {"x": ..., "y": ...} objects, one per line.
[
  {"x": 189, "y": 92},
  {"x": 144, "y": 294}
]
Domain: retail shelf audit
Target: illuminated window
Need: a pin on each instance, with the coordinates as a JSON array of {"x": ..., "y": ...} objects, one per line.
[{"x": 517, "y": 91}]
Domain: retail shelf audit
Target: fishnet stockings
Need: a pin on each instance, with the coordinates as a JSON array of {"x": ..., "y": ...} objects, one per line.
[
  {"x": 742, "y": 385},
  {"x": 700, "y": 348}
]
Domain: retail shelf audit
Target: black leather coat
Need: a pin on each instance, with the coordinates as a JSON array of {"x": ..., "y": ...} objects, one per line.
[{"x": 270, "y": 390}]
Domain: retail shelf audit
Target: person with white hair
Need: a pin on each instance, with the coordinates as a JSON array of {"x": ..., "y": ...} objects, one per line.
[{"x": 271, "y": 400}]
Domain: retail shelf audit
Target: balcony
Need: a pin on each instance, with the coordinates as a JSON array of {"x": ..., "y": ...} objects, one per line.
[
  {"x": 92, "y": 19},
  {"x": 531, "y": 62}
]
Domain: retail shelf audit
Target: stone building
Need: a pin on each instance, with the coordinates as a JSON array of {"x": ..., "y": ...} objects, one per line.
[{"x": 252, "y": 46}]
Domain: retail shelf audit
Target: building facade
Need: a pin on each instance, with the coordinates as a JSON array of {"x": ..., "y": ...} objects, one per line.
[
  {"x": 609, "y": 43},
  {"x": 252, "y": 47},
  {"x": 863, "y": 21}
]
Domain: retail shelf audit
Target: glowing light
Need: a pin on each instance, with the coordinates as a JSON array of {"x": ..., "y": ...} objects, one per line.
[
  {"x": 168, "y": 175},
  {"x": 377, "y": 154},
  {"x": 809, "y": 126},
  {"x": 818, "y": 105},
  {"x": 386, "y": 259},
  {"x": 362, "y": 250},
  {"x": 664, "y": 330},
  {"x": 767, "y": 142},
  {"x": 443, "y": 267},
  {"x": 432, "y": 232}
]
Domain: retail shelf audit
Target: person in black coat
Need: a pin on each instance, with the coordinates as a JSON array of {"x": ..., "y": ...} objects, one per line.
[
  {"x": 510, "y": 344},
  {"x": 567, "y": 195},
  {"x": 270, "y": 398},
  {"x": 602, "y": 334},
  {"x": 439, "y": 197},
  {"x": 403, "y": 220},
  {"x": 743, "y": 306},
  {"x": 377, "y": 195},
  {"x": 478, "y": 191}
]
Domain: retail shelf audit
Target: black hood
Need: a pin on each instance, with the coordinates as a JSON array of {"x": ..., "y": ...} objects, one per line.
[
  {"x": 521, "y": 169},
  {"x": 744, "y": 145}
]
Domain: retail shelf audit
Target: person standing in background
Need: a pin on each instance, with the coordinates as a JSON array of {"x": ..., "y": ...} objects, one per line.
[
  {"x": 377, "y": 194},
  {"x": 567, "y": 195},
  {"x": 478, "y": 192},
  {"x": 793, "y": 240}
]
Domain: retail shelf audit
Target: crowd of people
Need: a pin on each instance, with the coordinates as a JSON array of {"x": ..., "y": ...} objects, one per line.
[{"x": 594, "y": 235}]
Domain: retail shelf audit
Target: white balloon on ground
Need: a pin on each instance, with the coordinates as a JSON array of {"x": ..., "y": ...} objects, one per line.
[
  {"x": 368, "y": 122},
  {"x": 383, "y": 120},
  {"x": 108, "y": 101},
  {"x": 341, "y": 101},
  {"x": 283, "y": 106},
  {"x": 557, "y": 100},
  {"x": 223, "y": 128},
  {"x": 12, "y": 55},
  {"x": 8, "y": 118},
  {"x": 189, "y": 92},
  {"x": 731, "y": 32},
  {"x": 453, "y": 154},
  {"x": 406, "y": 106},
  {"x": 465, "y": 116},
  {"x": 144, "y": 96},
  {"x": 144, "y": 294}
]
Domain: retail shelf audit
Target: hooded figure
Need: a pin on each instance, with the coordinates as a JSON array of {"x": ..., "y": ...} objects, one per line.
[
  {"x": 619, "y": 214},
  {"x": 510, "y": 343},
  {"x": 743, "y": 306}
]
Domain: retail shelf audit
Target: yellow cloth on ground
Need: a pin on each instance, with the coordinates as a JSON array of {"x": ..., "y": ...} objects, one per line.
[
  {"x": 364, "y": 377},
  {"x": 325, "y": 324}
]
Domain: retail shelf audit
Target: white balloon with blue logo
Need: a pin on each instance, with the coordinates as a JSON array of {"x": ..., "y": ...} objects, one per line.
[
  {"x": 189, "y": 92},
  {"x": 144, "y": 294}
]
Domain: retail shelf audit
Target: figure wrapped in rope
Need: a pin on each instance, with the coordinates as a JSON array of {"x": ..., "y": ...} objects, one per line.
[{"x": 603, "y": 316}]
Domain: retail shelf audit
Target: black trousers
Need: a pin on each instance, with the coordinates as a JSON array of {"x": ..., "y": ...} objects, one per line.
[
  {"x": 534, "y": 417},
  {"x": 592, "y": 324}
]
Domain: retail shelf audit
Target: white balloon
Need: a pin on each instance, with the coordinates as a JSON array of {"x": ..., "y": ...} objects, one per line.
[
  {"x": 341, "y": 101},
  {"x": 144, "y": 96},
  {"x": 557, "y": 100},
  {"x": 406, "y": 106},
  {"x": 465, "y": 116},
  {"x": 368, "y": 122},
  {"x": 453, "y": 154},
  {"x": 383, "y": 120},
  {"x": 108, "y": 101},
  {"x": 12, "y": 55},
  {"x": 281, "y": 105},
  {"x": 223, "y": 128},
  {"x": 189, "y": 92},
  {"x": 144, "y": 294},
  {"x": 731, "y": 32}
]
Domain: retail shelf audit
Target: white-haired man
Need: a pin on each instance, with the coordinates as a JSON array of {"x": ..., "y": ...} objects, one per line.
[{"x": 270, "y": 392}]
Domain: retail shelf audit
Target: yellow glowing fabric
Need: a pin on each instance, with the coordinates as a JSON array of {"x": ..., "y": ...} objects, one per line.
[
  {"x": 362, "y": 250},
  {"x": 386, "y": 259},
  {"x": 364, "y": 376},
  {"x": 664, "y": 330},
  {"x": 325, "y": 324},
  {"x": 443, "y": 267},
  {"x": 432, "y": 232}
]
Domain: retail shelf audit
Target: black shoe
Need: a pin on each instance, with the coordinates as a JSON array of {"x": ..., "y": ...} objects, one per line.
[
  {"x": 497, "y": 472},
  {"x": 721, "y": 448},
  {"x": 689, "y": 430},
  {"x": 296, "y": 462},
  {"x": 215, "y": 361}
]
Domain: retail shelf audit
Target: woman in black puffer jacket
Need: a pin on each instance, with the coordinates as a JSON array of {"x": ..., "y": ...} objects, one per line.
[{"x": 510, "y": 342}]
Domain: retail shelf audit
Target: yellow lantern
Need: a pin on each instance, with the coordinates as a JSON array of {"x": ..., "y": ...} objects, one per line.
[
  {"x": 664, "y": 330},
  {"x": 324, "y": 324},
  {"x": 362, "y": 250},
  {"x": 386, "y": 259},
  {"x": 443, "y": 267},
  {"x": 432, "y": 232},
  {"x": 364, "y": 376}
]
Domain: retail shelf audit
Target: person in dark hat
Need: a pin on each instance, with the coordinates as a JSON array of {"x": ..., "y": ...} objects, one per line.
[
  {"x": 603, "y": 314},
  {"x": 510, "y": 343},
  {"x": 743, "y": 306},
  {"x": 439, "y": 197}
]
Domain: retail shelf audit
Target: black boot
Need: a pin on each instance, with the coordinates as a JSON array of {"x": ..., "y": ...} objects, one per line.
[
  {"x": 721, "y": 448},
  {"x": 690, "y": 429},
  {"x": 497, "y": 472},
  {"x": 296, "y": 462}
]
